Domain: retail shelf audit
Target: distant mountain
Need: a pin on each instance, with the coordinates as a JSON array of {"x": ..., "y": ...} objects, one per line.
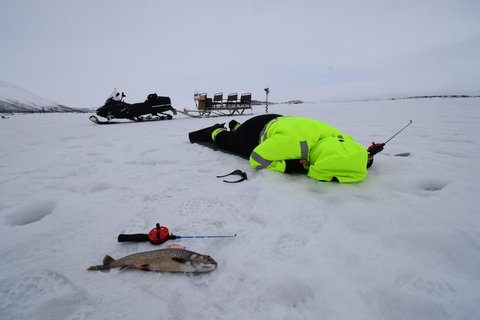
[{"x": 16, "y": 99}]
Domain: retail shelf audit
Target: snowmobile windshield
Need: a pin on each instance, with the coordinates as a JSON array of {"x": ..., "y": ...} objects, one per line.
[
  {"x": 114, "y": 93},
  {"x": 115, "y": 96}
]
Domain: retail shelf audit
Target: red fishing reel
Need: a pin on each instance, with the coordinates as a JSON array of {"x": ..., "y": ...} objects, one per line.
[{"x": 158, "y": 235}]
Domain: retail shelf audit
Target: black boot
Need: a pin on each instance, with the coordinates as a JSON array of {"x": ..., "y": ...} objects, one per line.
[
  {"x": 204, "y": 135},
  {"x": 232, "y": 125}
]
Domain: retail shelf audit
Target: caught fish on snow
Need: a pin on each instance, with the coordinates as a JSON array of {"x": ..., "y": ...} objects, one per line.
[{"x": 168, "y": 260}]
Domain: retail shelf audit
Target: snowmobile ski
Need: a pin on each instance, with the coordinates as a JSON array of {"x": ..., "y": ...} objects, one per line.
[{"x": 95, "y": 120}]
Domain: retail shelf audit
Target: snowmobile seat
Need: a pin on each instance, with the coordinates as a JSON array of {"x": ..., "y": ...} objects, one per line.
[
  {"x": 164, "y": 101},
  {"x": 152, "y": 97},
  {"x": 154, "y": 100}
]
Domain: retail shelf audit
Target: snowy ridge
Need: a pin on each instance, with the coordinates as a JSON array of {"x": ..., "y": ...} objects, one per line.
[{"x": 17, "y": 99}]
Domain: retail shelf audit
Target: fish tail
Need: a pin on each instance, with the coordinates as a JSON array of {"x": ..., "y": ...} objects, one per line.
[{"x": 107, "y": 261}]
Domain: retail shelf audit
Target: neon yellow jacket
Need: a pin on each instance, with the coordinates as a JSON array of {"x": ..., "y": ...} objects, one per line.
[{"x": 329, "y": 152}]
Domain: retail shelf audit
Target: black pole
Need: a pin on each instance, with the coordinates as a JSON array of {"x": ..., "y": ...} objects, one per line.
[
  {"x": 398, "y": 132},
  {"x": 267, "y": 91}
]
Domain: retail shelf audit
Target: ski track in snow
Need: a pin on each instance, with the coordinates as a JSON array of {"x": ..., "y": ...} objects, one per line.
[{"x": 402, "y": 244}]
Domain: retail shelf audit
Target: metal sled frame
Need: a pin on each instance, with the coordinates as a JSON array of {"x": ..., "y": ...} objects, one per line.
[{"x": 219, "y": 107}]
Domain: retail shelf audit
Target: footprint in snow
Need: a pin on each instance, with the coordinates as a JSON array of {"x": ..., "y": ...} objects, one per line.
[
  {"x": 425, "y": 284},
  {"x": 287, "y": 244},
  {"x": 43, "y": 294}
]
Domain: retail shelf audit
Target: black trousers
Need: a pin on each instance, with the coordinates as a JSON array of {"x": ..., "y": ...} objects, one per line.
[{"x": 243, "y": 140}]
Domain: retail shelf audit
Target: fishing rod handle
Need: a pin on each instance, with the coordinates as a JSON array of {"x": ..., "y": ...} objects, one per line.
[{"x": 139, "y": 237}]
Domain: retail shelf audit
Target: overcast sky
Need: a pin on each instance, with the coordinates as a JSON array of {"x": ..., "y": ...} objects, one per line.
[{"x": 77, "y": 52}]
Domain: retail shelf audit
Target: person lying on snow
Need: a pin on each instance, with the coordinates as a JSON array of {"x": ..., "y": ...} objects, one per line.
[{"x": 292, "y": 144}]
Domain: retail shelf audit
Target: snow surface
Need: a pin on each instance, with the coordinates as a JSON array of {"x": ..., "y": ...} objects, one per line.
[{"x": 402, "y": 244}]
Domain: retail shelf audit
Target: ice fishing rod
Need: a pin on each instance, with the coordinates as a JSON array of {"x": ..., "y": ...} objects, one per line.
[
  {"x": 377, "y": 147},
  {"x": 159, "y": 235}
]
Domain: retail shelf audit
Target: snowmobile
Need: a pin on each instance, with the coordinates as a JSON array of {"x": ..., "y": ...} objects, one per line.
[{"x": 151, "y": 110}]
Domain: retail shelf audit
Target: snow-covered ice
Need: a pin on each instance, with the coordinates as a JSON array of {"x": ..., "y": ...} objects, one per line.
[{"x": 402, "y": 244}]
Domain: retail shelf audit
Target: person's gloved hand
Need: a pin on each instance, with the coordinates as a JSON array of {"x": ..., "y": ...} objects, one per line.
[
  {"x": 375, "y": 148},
  {"x": 296, "y": 165}
]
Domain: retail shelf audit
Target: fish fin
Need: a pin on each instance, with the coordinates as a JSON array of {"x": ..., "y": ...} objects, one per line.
[
  {"x": 180, "y": 260},
  {"x": 176, "y": 246},
  {"x": 99, "y": 267},
  {"x": 107, "y": 261},
  {"x": 126, "y": 266},
  {"x": 144, "y": 267}
]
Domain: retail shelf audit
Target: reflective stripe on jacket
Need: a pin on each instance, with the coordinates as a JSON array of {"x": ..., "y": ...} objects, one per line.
[{"x": 329, "y": 152}]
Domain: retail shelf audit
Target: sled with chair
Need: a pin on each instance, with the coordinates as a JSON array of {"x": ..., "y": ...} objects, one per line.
[
  {"x": 151, "y": 109},
  {"x": 218, "y": 106}
]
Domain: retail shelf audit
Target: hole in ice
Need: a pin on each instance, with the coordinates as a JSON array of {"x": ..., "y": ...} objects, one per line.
[
  {"x": 434, "y": 185},
  {"x": 32, "y": 212}
]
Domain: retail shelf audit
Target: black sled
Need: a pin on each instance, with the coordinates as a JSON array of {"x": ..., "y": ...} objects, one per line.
[{"x": 151, "y": 110}]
